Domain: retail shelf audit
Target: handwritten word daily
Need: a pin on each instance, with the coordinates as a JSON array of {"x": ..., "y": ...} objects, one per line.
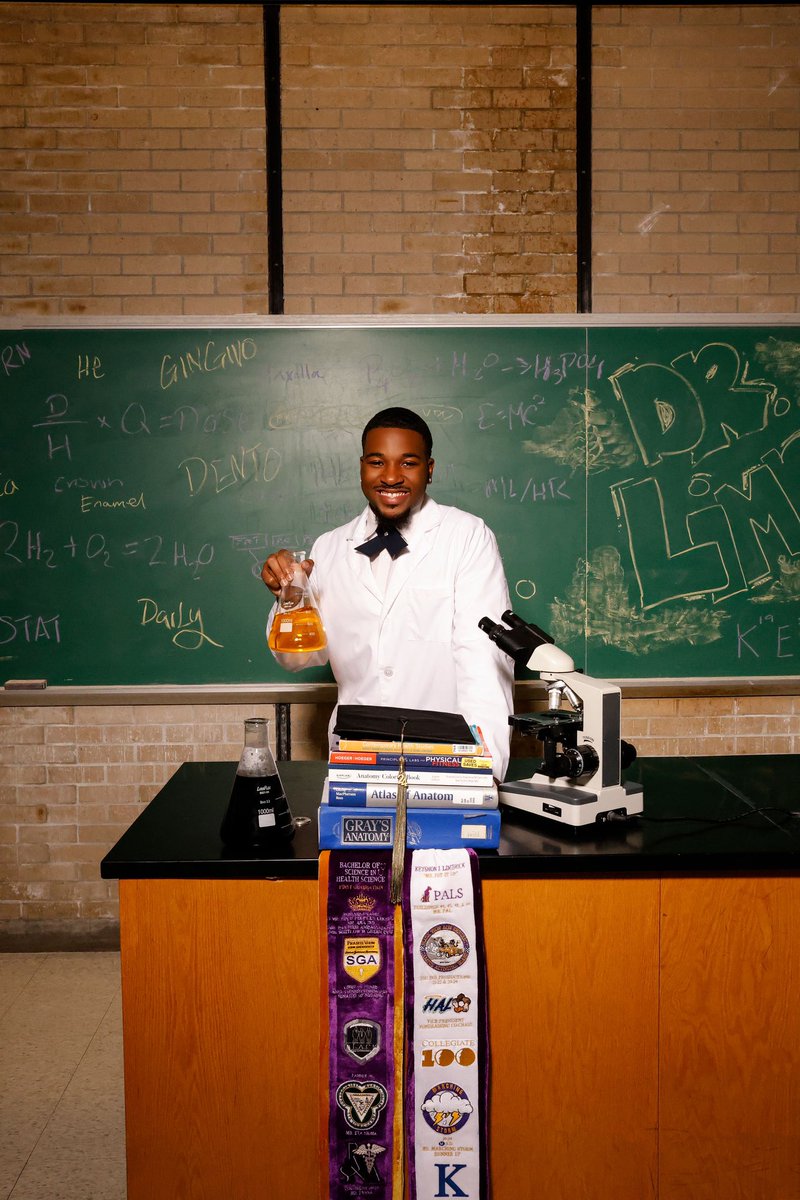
[
  {"x": 205, "y": 358},
  {"x": 184, "y": 623}
]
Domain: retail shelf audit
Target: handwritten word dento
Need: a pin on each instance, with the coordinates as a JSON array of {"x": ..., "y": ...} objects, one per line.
[
  {"x": 90, "y": 502},
  {"x": 205, "y": 358},
  {"x": 253, "y": 463},
  {"x": 185, "y": 624}
]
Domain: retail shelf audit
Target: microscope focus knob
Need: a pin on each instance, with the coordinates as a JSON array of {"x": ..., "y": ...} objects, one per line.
[
  {"x": 580, "y": 760},
  {"x": 627, "y": 754}
]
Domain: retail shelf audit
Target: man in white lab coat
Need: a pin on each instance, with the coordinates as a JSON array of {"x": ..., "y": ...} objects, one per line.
[{"x": 401, "y": 589}]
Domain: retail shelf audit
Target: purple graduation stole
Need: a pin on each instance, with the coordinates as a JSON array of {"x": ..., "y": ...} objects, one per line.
[{"x": 404, "y": 1031}]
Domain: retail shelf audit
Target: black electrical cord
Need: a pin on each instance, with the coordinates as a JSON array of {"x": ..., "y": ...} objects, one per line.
[{"x": 750, "y": 812}]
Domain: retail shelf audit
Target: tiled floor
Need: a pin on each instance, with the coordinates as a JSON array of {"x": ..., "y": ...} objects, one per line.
[{"x": 62, "y": 1131}]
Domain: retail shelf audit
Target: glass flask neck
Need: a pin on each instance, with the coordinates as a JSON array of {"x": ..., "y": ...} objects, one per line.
[{"x": 256, "y": 732}]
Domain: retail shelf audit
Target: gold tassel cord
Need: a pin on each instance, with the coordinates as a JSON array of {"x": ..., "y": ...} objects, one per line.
[{"x": 399, "y": 844}]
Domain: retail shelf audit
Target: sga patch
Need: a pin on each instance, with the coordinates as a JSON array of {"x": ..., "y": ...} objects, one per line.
[{"x": 361, "y": 957}]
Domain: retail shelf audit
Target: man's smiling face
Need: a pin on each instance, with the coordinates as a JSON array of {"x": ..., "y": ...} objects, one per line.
[{"x": 395, "y": 472}]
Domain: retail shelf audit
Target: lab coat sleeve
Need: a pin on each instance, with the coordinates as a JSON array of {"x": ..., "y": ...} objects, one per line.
[{"x": 485, "y": 674}]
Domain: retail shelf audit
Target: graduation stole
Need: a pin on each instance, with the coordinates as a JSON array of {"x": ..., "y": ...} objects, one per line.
[{"x": 404, "y": 1033}]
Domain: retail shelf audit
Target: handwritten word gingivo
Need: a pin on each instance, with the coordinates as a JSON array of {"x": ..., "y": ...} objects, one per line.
[{"x": 203, "y": 359}]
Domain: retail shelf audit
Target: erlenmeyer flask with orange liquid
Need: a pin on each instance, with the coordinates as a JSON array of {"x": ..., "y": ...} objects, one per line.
[{"x": 297, "y": 627}]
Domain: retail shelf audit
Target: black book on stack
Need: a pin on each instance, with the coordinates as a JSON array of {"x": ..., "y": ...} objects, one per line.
[{"x": 414, "y": 724}]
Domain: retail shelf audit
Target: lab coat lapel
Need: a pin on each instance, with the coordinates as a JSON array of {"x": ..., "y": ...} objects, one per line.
[{"x": 361, "y": 564}]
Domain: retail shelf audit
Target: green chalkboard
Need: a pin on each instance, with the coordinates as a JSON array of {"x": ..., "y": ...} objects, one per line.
[{"x": 643, "y": 482}]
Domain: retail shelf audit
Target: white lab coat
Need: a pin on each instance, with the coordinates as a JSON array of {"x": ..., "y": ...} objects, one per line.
[{"x": 419, "y": 644}]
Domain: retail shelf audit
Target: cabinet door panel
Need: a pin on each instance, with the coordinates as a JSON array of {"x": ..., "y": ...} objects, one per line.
[
  {"x": 221, "y": 1022},
  {"x": 730, "y": 1039},
  {"x": 573, "y": 1009}
]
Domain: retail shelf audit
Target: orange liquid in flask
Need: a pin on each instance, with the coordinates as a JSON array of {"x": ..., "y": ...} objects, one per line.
[{"x": 297, "y": 632}]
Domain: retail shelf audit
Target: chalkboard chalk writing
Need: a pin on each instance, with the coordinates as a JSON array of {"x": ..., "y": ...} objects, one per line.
[
  {"x": 32, "y": 627},
  {"x": 767, "y": 637},
  {"x": 643, "y": 483},
  {"x": 13, "y": 357},
  {"x": 90, "y": 367},
  {"x": 204, "y": 358},
  {"x": 90, "y": 503},
  {"x": 184, "y": 623},
  {"x": 527, "y": 490},
  {"x": 254, "y": 464}
]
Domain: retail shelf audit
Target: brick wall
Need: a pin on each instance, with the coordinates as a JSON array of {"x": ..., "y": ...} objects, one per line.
[
  {"x": 428, "y": 168},
  {"x": 429, "y": 158},
  {"x": 696, "y": 171},
  {"x": 74, "y": 778},
  {"x": 134, "y": 159}
]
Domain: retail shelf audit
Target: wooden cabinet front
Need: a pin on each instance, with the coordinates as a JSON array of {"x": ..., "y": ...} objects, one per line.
[{"x": 645, "y": 1038}]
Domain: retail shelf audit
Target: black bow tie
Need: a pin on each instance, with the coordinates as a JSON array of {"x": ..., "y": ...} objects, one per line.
[{"x": 386, "y": 537}]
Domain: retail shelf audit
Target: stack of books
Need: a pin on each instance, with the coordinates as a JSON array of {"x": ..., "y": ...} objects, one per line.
[{"x": 451, "y": 794}]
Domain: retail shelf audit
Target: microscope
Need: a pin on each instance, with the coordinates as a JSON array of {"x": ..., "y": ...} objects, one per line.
[{"x": 578, "y": 783}]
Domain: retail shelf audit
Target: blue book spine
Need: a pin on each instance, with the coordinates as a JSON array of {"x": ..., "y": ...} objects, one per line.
[{"x": 428, "y": 828}]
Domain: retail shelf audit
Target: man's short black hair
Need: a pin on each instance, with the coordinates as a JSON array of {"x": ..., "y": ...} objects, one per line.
[{"x": 399, "y": 418}]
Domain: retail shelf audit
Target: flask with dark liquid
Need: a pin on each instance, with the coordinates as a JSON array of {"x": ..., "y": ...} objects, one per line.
[
  {"x": 258, "y": 812},
  {"x": 297, "y": 627}
]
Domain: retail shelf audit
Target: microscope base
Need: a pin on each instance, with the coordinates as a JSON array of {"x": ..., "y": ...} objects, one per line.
[{"x": 574, "y": 806}]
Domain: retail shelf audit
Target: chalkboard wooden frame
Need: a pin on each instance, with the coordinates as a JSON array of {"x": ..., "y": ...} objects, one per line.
[{"x": 495, "y": 417}]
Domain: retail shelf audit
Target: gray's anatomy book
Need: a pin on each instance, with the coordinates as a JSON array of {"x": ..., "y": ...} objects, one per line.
[{"x": 426, "y": 828}]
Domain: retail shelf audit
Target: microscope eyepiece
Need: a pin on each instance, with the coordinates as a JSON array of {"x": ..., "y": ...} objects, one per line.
[{"x": 517, "y": 638}]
